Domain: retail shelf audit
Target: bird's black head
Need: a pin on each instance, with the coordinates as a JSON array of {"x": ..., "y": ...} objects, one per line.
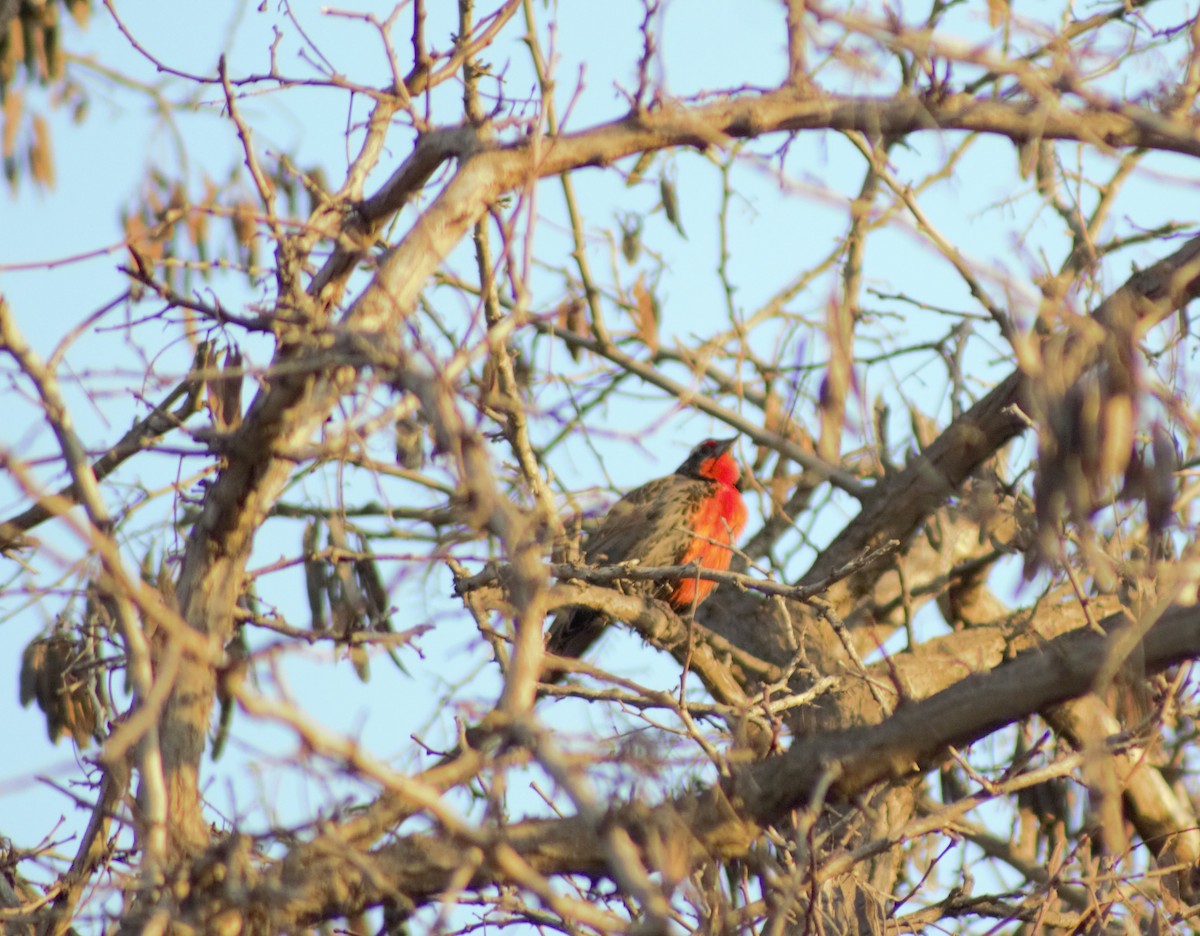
[{"x": 711, "y": 461}]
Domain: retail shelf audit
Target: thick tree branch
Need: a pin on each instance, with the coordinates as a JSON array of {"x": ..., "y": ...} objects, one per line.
[
  {"x": 297, "y": 399},
  {"x": 715, "y": 825},
  {"x": 898, "y": 505},
  {"x": 915, "y": 737}
]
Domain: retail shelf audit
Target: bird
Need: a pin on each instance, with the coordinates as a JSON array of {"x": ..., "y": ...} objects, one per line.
[{"x": 695, "y": 514}]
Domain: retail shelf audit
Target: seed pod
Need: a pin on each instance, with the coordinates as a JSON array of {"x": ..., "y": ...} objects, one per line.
[
  {"x": 670, "y": 203},
  {"x": 314, "y": 576},
  {"x": 54, "y": 673}
]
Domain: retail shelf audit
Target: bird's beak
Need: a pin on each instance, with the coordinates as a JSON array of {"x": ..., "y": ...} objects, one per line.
[{"x": 724, "y": 445}]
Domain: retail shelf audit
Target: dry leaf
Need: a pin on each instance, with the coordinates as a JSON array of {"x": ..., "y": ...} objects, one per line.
[
  {"x": 569, "y": 317},
  {"x": 80, "y": 11},
  {"x": 410, "y": 443},
  {"x": 670, "y": 203},
  {"x": 346, "y": 602},
  {"x": 638, "y": 172},
  {"x": 225, "y": 392},
  {"x": 54, "y": 673},
  {"x": 836, "y": 386},
  {"x": 631, "y": 238},
  {"x": 314, "y": 576},
  {"x": 645, "y": 313},
  {"x": 998, "y": 13},
  {"x": 245, "y": 223},
  {"x": 51, "y": 43},
  {"x": 14, "y": 107}
]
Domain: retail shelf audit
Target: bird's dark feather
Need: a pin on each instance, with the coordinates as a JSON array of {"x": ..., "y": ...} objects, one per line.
[{"x": 645, "y": 525}]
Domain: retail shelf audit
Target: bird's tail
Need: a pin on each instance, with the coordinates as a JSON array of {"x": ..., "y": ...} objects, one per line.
[{"x": 571, "y": 634}]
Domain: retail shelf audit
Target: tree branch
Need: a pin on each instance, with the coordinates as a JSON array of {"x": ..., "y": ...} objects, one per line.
[{"x": 718, "y": 824}]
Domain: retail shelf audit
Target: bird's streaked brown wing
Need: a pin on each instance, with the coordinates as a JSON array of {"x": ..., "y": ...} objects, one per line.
[{"x": 651, "y": 524}]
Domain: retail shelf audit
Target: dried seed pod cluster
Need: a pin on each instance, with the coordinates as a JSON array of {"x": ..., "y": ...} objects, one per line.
[{"x": 56, "y": 673}]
